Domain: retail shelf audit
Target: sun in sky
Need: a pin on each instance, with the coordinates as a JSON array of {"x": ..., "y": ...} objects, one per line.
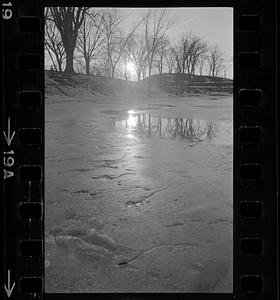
[{"x": 130, "y": 67}]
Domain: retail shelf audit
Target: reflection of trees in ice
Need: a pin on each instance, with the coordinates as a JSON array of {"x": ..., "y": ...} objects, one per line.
[{"x": 182, "y": 128}]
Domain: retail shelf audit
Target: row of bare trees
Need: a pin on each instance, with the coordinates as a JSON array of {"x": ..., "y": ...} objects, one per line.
[{"x": 95, "y": 41}]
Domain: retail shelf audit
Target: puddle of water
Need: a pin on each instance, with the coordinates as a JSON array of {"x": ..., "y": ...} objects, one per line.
[{"x": 194, "y": 130}]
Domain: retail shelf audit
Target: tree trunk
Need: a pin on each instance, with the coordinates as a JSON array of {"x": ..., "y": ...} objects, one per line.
[
  {"x": 59, "y": 65},
  {"x": 69, "y": 60},
  {"x": 149, "y": 87},
  {"x": 113, "y": 81},
  {"x": 87, "y": 66},
  {"x": 177, "y": 84},
  {"x": 68, "y": 21},
  {"x": 150, "y": 82},
  {"x": 182, "y": 83},
  {"x": 69, "y": 42}
]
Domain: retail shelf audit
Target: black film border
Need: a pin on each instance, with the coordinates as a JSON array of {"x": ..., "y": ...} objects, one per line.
[{"x": 255, "y": 155}]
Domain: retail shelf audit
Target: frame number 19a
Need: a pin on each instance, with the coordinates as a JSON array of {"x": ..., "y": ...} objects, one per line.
[{"x": 8, "y": 154}]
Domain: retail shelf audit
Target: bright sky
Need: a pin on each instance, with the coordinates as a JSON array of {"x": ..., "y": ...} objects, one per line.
[{"x": 215, "y": 25}]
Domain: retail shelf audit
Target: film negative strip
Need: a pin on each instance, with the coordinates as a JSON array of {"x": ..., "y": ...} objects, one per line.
[{"x": 110, "y": 197}]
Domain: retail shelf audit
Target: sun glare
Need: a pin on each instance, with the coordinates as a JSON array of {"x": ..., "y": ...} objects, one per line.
[
  {"x": 131, "y": 121},
  {"x": 130, "y": 67}
]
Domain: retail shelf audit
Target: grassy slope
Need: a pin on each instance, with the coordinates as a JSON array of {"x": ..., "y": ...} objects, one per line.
[{"x": 75, "y": 84}]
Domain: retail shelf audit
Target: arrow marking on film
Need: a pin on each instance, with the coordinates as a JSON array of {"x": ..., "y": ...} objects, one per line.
[
  {"x": 8, "y": 136},
  {"x": 9, "y": 289}
]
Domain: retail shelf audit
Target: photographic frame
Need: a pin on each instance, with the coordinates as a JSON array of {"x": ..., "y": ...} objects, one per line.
[{"x": 249, "y": 157}]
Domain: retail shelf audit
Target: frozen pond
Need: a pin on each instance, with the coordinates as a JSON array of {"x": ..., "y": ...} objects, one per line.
[
  {"x": 194, "y": 130},
  {"x": 138, "y": 194}
]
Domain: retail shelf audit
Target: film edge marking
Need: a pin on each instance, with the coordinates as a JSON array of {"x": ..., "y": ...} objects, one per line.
[
  {"x": 7, "y": 13},
  {"x": 10, "y": 288},
  {"x": 8, "y": 155}
]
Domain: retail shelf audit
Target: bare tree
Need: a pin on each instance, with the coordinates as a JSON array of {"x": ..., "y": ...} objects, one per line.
[
  {"x": 181, "y": 53},
  {"x": 225, "y": 69},
  {"x": 91, "y": 38},
  {"x": 215, "y": 61},
  {"x": 198, "y": 48},
  {"x": 116, "y": 40},
  {"x": 138, "y": 54},
  {"x": 68, "y": 20},
  {"x": 176, "y": 53},
  {"x": 111, "y": 22},
  {"x": 53, "y": 43},
  {"x": 118, "y": 53},
  {"x": 188, "y": 51},
  {"x": 170, "y": 62},
  {"x": 160, "y": 55},
  {"x": 156, "y": 24},
  {"x": 201, "y": 63},
  {"x": 179, "y": 67},
  {"x": 127, "y": 57}
]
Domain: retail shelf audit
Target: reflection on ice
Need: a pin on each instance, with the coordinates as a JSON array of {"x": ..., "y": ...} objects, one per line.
[
  {"x": 130, "y": 121},
  {"x": 131, "y": 111},
  {"x": 131, "y": 136},
  {"x": 195, "y": 130}
]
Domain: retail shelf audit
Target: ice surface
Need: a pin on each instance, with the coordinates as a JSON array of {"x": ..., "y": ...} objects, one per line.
[{"x": 113, "y": 195}]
